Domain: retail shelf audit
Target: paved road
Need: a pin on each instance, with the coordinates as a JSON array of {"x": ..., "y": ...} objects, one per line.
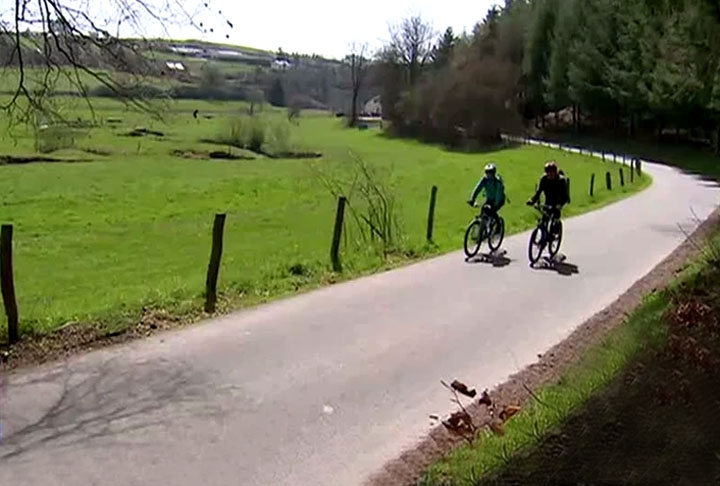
[{"x": 323, "y": 388}]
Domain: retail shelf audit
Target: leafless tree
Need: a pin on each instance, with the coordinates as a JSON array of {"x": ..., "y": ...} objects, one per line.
[
  {"x": 42, "y": 41},
  {"x": 358, "y": 65},
  {"x": 411, "y": 44},
  {"x": 293, "y": 109},
  {"x": 256, "y": 98}
]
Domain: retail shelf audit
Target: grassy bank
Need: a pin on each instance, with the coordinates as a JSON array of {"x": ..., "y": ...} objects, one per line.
[
  {"x": 130, "y": 226},
  {"x": 656, "y": 421}
]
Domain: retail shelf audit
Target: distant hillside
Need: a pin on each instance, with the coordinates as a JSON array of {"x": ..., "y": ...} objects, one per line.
[{"x": 191, "y": 69}]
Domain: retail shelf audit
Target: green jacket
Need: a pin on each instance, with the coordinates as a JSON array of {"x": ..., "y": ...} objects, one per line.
[{"x": 494, "y": 190}]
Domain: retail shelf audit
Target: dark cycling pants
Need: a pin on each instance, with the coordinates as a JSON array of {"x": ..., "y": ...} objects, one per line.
[
  {"x": 556, "y": 212},
  {"x": 493, "y": 208}
]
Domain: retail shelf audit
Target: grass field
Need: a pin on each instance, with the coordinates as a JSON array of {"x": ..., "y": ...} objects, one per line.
[
  {"x": 97, "y": 241},
  {"x": 67, "y": 81}
]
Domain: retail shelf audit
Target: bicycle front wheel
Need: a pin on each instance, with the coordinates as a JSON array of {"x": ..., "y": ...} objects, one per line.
[
  {"x": 536, "y": 245},
  {"x": 474, "y": 235},
  {"x": 554, "y": 246}
]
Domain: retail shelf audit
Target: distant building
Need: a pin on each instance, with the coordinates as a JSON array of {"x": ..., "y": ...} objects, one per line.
[
  {"x": 281, "y": 64},
  {"x": 175, "y": 66},
  {"x": 373, "y": 107}
]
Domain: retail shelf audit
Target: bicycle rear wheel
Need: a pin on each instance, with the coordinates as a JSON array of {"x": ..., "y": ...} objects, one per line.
[
  {"x": 497, "y": 233},
  {"x": 536, "y": 245},
  {"x": 474, "y": 236},
  {"x": 554, "y": 246}
]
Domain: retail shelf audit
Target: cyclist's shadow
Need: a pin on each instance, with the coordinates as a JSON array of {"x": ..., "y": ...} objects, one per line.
[
  {"x": 560, "y": 266},
  {"x": 497, "y": 259}
]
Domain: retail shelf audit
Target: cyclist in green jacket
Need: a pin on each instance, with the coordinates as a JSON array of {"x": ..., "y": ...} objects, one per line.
[{"x": 494, "y": 188}]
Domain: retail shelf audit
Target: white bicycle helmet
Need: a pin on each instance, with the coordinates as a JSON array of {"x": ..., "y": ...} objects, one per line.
[{"x": 490, "y": 169}]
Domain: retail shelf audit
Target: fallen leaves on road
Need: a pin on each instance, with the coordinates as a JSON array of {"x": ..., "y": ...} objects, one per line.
[
  {"x": 485, "y": 399},
  {"x": 460, "y": 422}
]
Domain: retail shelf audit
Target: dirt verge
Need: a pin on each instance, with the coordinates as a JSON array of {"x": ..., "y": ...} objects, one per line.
[
  {"x": 411, "y": 465},
  {"x": 36, "y": 349},
  {"x": 204, "y": 154},
  {"x": 28, "y": 159},
  {"x": 143, "y": 132}
]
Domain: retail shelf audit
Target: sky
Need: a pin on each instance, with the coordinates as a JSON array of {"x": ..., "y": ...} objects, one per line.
[{"x": 321, "y": 27}]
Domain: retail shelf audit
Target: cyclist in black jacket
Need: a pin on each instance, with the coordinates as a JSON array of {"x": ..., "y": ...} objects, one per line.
[{"x": 554, "y": 186}]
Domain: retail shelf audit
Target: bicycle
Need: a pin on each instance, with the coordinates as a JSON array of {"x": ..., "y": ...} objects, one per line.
[
  {"x": 488, "y": 225},
  {"x": 543, "y": 236}
]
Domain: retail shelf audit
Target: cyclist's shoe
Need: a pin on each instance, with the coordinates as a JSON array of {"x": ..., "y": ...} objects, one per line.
[
  {"x": 471, "y": 204},
  {"x": 529, "y": 203}
]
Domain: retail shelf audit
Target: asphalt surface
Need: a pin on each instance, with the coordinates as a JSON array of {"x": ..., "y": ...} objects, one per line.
[{"x": 323, "y": 388}]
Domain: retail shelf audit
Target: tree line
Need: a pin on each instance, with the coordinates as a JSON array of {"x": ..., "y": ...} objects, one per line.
[{"x": 632, "y": 67}]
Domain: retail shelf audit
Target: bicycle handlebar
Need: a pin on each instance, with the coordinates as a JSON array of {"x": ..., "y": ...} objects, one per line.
[{"x": 543, "y": 208}]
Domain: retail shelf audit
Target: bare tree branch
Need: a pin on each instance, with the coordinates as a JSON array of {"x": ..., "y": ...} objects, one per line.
[
  {"x": 358, "y": 64},
  {"x": 52, "y": 39},
  {"x": 411, "y": 43}
]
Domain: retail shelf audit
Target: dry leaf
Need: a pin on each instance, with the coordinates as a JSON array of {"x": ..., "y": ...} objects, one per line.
[
  {"x": 459, "y": 422},
  {"x": 462, "y": 388},
  {"x": 485, "y": 399},
  {"x": 509, "y": 412}
]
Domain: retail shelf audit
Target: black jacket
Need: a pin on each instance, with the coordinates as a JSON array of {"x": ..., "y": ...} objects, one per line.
[{"x": 555, "y": 190}]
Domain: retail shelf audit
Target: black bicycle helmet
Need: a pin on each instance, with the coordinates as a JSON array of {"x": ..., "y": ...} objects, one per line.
[
  {"x": 550, "y": 166},
  {"x": 490, "y": 169}
]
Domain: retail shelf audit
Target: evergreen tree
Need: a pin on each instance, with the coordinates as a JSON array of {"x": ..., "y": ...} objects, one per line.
[
  {"x": 443, "y": 51},
  {"x": 537, "y": 52}
]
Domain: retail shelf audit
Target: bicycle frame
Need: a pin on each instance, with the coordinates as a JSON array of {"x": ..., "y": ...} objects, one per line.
[
  {"x": 486, "y": 217},
  {"x": 545, "y": 217}
]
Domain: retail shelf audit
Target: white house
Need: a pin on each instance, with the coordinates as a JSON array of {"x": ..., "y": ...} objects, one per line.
[
  {"x": 373, "y": 106},
  {"x": 175, "y": 66},
  {"x": 281, "y": 64}
]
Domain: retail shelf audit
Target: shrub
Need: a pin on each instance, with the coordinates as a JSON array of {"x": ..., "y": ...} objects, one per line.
[
  {"x": 280, "y": 137},
  {"x": 51, "y": 138},
  {"x": 244, "y": 132}
]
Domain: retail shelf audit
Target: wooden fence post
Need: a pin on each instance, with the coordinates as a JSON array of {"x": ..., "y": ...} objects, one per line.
[
  {"x": 622, "y": 177},
  {"x": 431, "y": 214},
  {"x": 638, "y": 165},
  {"x": 632, "y": 175},
  {"x": 337, "y": 234},
  {"x": 592, "y": 184},
  {"x": 608, "y": 181},
  {"x": 8, "y": 283},
  {"x": 603, "y": 156},
  {"x": 214, "y": 265}
]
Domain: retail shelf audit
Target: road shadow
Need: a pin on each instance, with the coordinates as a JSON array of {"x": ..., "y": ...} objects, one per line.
[
  {"x": 111, "y": 403},
  {"x": 497, "y": 260},
  {"x": 561, "y": 267}
]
